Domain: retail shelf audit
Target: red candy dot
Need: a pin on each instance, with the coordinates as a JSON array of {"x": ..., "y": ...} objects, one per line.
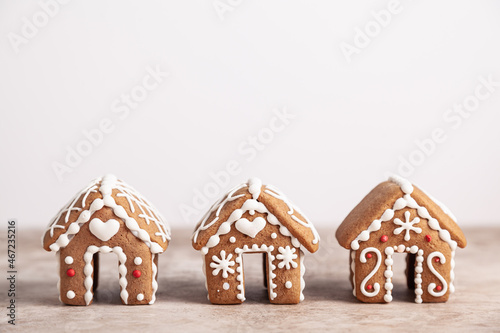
[
  {"x": 70, "y": 272},
  {"x": 368, "y": 255},
  {"x": 436, "y": 259},
  {"x": 136, "y": 273},
  {"x": 369, "y": 287},
  {"x": 428, "y": 238},
  {"x": 384, "y": 238},
  {"x": 439, "y": 288}
]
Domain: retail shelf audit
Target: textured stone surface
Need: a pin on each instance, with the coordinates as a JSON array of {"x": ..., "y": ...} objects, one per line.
[{"x": 182, "y": 304}]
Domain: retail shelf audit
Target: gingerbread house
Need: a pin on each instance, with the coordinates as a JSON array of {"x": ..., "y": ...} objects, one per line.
[
  {"x": 398, "y": 217},
  {"x": 253, "y": 218},
  {"x": 107, "y": 216}
]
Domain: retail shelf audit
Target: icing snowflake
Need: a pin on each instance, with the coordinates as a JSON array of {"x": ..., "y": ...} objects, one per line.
[
  {"x": 223, "y": 264},
  {"x": 407, "y": 226},
  {"x": 286, "y": 256}
]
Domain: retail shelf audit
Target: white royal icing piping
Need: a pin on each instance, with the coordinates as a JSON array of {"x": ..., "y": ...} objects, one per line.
[
  {"x": 254, "y": 187},
  {"x": 217, "y": 207},
  {"x": 250, "y": 228},
  {"x": 362, "y": 259},
  {"x": 388, "y": 273},
  {"x": 88, "y": 269},
  {"x": 405, "y": 201},
  {"x": 302, "y": 272},
  {"x": 104, "y": 230},
  {"x": 388, "y": 286},
  {"x": 108, "y": 183},
  {"x": 287, "y": 256},
  {"x": 452, "y": 272},
  {"x": 353, "y": 269},
  {"x": 418, "y": 276},
  {"x": 248, "y": 206},
  {"x": 407, "y": 226},
  {"x": 271, "y": 267},
  {"x": 273, "y": 191},
  {"x": 432, "y": 285},
  {"x": 154, "y": 283},
  {"x": 222, "y": 264}
]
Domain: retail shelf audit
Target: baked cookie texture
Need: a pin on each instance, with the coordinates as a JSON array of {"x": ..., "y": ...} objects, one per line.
[
  {"x": 398, "y": 217},
  {"x": 254, "y": 218},
  {"x": 107, "y": 216}
]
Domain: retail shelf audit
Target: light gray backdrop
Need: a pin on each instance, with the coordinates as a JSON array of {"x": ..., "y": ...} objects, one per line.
[{"x": 321, "y": 99}]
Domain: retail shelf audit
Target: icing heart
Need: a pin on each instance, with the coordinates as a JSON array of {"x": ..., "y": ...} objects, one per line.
[
  {"x": 104, "y": 230},
  {"x": 250, "y": 228}
]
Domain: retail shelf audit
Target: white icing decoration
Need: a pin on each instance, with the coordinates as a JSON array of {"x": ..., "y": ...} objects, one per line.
[
  {"x": 388, "y": 274},
  {"x": 88, "y": 269},
  {"x": 407, "y": 226},
  {"x": 405, "y": 185},
  {"x": 353, "y": 268},
  {"x": 452, "y": 272},
  {"x": 154, "y": 284},
  {"x": 274, "y": 235},
  {"x": 222, "y": 264},
  {"x": 68, "y": 260},
  {"x": 388, "y": 286},
  {"x": 444, "y": 208},
  {"x": 432, "y": 286},
  {"x": 302, "y": 272},
  {"x": 70, "y": 294},
  {"x": 104, "y": 230},
  {"x": 250, "y": 228},
  {"x": 140, "y": 297},
  {"x": 254, "y": 187},
  {"x": 225, "y": 286},
  {"x": 273, "y": 191},
  {"x": 217, "y": 207},
  {"x": 362, "y": 259},
  {"x": 250, "y": 206},
  {"x": 109, "y": 183},
  {"x": 405, "y": 201},
  {"x": 288, "y": 284},
  {"x": 287, "y": 255},
  {"x": 271, "y": 267},
  {"x": 137, "y": 260},
  {"x": 418, "y": 276},
  {"x": 232, "y": 239}
]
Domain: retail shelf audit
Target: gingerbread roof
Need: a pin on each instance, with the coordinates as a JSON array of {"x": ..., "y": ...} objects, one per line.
[
  {"x": 108, "y": 197},
  {"x": 262, "y": 198},
  {"x": 379, "y": 206}
]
